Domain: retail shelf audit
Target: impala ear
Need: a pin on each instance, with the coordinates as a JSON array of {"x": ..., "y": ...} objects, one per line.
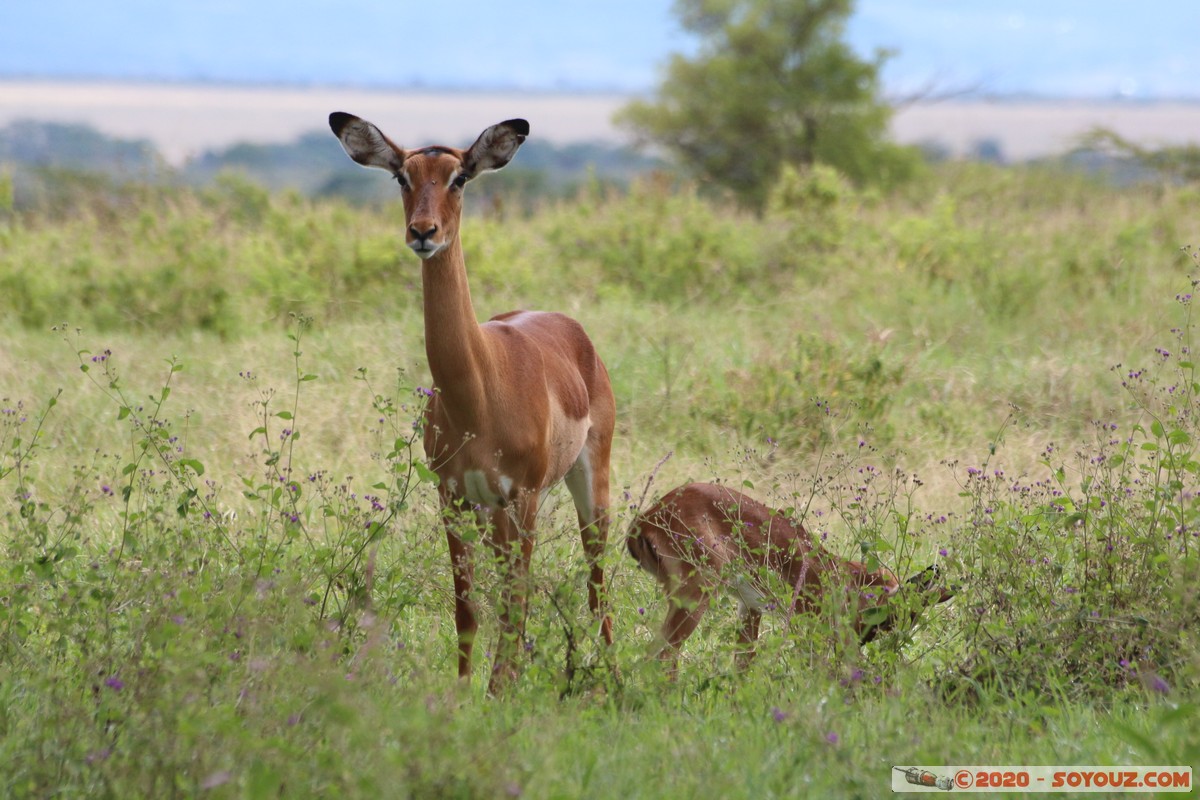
[
  {"x": 365, "y": 143},
  {"x": 495, "y": 147}
]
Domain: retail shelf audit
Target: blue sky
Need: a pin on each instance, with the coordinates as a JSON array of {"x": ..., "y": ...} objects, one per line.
[{"x": 1079, "y": 48}]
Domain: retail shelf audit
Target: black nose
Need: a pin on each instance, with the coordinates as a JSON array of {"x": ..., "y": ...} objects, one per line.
[{"x": 422, "y": 235}]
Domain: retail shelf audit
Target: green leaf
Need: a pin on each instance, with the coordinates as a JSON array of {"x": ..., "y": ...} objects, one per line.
[
  {"x": 284, "y": 414},
  {"x": 123, "y": 412},
  {"x": 873, "y": 616},
  {"x": 193, "y": 464},
  {"x": 185, "y": 502},
  {"x": 425, "y": 473},
  {"x": 1156, "y": 428},
  {"x": 309, "y": 377}
]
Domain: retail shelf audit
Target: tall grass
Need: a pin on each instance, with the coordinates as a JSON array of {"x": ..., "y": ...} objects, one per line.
[{"x": 224, "y": 568}]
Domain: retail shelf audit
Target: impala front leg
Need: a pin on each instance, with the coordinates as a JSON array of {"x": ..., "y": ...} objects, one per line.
[
  {"x": 465, "y": 622},
  {"x": 513, "y": 538},
  {"x": 747, "y": 636},
  {"x": 683, "y": 616}
]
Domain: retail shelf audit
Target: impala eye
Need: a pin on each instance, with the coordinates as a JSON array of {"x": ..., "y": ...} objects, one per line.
[
  {"x": 460, "y": 181},
  {"x": 400, "y": 180}
]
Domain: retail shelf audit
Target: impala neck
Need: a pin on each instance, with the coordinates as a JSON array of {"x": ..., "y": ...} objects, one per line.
[{"x": 453, "y": 341}]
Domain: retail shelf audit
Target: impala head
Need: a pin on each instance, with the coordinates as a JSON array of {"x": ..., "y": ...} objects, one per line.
[
  {"x": 431, "y": 178},
  {"x": 897, "y": 599}
]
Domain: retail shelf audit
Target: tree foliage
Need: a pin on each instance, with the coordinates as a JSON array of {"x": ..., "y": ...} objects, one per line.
[
  {"x": 772, "y": 84},
  {"x": 1179, "y": 163}
]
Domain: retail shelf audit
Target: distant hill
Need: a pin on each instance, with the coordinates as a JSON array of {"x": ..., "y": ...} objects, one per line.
[
  {"x": 313, "y": 164},
  {"x": 60, "y": 145},
  {"x": 49, "y": 161}
]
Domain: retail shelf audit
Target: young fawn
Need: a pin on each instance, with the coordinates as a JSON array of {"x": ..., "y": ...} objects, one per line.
[{"x": 702, "y": 535}]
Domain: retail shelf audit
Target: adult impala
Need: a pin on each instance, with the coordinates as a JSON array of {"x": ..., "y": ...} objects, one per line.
[
  {"x": 702, "y": 535},
  {"x": 522, "y": 400}
]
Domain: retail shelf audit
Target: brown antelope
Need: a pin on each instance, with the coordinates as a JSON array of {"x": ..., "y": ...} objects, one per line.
[
  {"x": 701, "y": 535},
  {"x": 522, "y": 401}
]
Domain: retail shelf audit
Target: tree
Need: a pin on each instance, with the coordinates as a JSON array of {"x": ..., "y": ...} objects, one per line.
[
  {"x": 772, "y": 85},
  {"x": 1177, "y": 163}
]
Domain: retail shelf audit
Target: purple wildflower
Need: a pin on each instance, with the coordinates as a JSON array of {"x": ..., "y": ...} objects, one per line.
[
  {"x": 98, "y": 756},
  {"x": 216, "y": 779}
]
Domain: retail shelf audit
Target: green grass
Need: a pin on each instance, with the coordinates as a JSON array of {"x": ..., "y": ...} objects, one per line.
[{"x": 225, "y": 575}]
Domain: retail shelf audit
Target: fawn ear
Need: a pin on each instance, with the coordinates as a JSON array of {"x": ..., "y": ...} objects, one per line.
[
  {"x": 925, "y": 579},
  {"x": 864, "y": 578},
  {"x": 928, "y": 580}
]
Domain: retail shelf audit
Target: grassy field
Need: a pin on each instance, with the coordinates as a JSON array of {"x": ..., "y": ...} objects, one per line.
[{"x": 225, "y": 577}]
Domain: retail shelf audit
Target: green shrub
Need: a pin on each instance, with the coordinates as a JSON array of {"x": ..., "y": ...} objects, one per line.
[
  {"x": 662, "y": 241},
  {"x": 1082, "y": 580},
  {"x": 798, "y": 394}
]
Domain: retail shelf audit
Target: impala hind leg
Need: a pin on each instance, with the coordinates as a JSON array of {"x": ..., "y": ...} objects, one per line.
[{"x": 587, "y": 481}]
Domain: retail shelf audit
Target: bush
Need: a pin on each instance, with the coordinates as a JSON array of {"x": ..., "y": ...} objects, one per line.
[
  {"x": 1083, "y": 581},
  {"x": 662, "y": 242}
]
